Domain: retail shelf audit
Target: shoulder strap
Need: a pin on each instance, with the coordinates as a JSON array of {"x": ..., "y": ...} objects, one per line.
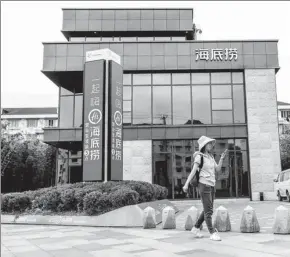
[{"x": 201, "y": 162}]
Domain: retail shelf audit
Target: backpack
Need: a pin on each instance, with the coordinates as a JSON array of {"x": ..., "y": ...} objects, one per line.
[{"x": 194, "y": 182}]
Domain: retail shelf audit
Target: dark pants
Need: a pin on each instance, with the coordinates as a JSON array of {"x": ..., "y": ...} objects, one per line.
[{"x": 207, "y": 197}]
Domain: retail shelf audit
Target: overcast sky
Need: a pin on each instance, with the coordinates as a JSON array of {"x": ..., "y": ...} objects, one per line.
[{"x": 25, "y": 25}]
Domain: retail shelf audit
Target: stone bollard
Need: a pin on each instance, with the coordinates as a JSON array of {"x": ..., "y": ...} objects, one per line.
[
  {"x": 222, "y": 220},
  {"x": 249, "y": 222},
  {"x": 149, "y": 218},
  {"x": 192, "y": 217},
  {"x": 282, "y": 220},
  {"x": 168, "y": 218}
]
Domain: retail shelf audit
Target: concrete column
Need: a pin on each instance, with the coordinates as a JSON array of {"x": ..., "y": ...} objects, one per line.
[
  {"x": 137, "y": 160},
  {"x": 263, "y": 131}
]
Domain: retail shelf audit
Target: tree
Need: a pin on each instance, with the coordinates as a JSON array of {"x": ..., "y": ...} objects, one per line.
[{"x": 285, "y": 150}]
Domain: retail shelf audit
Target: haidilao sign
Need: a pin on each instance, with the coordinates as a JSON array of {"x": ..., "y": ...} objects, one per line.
[{"x": 217, "y": 54}]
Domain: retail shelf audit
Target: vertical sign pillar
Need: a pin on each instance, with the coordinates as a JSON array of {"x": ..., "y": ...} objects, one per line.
[
  {"x": 116, "y": 121},
  {"x": 99, "y": 94}
]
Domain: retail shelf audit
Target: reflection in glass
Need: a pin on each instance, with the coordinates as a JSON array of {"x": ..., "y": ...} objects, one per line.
[
  {"x": 142, "y": 112},
  {"x": 181, "y": 105},
  {"x": 66, "y": 111},
  {"x": 162, "y": 105},
  {"x": 141, "y": 79},
  {"x": 220, "y": 77},
  {"x": 222, "y": 117},
  {"x": 241, "y": 144},
  {"x": 201, "y": 105},
  {"x": 238, "y": 77},
  {"x": 93, "y": 39},
  {"x": 222, "y": 104},
  {"x": 162, "y": 38},
  {"x": 161, "y": 79},
  {"x": 200, "y": 78},
  {"x": 127, "y": 93},
  {"x": 78, "y": 110},
  {"x": 126, "y": 106},
  {"x": 221, "y": 91},
  {"x": 127, "y": 79},
  {"x": 162, "y": 146},
  {"x": 181, "y": 78},
  {"x": 145, "y": 38},
  {"x": 162, "y": 171},
  {"x": 239, "y": 104},
  {"x": 126, "y": 118},
  {"x": 77, "y": 39},
  {"x": 64, "y": 91}
]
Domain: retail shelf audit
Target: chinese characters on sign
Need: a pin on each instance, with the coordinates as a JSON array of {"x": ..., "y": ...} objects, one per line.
[
  {"x": 93, "y": 121},
  {"x": 116, "y": 110},
  {"x": 227, "y": 54}
]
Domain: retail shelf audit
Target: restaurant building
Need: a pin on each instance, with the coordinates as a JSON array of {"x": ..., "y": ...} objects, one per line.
[{"x": 175, "y": 89}]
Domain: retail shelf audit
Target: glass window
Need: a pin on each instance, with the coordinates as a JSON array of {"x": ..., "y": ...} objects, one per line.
[
  {"x": 141, "y": 79},
  {"x": 200, "y": 78},
  {"x": 64, "y": 91},
  {"x": 107, "y": 39},
  {"x": 238, "y": 77},
  {"x": 93, "y": 39},
  {"x": 162, "y": 105},
  {"x": 142, "y": 105},
  {"x": 181, "y": 78},
  {"x": 145, "y": 38},
  {"x": 126, "y": 118},
  {"x": 78, "y": 111},
  {"x": 127, "y": 79},
  {"x": 241, "y": 144},
  {"x": 128, "y": 39},
  {"x": 222, "y": 117},
  {"x": 66, "y": 113},
  {"x": 222, "y": 104},
  {"x": 77, "y": 39},
  {"x": 201, "y": 105},
  {"x": 126, "y": 106},
  {"x": 178, "y": 38},
  {"x": 220, "y": 77},
  {"x": 221, "y": 91},
  {"x": 181, "y": 105},
  {"x": 161, "y": 79},
  {"x": 162, "y": 38},
  {"x": 32, "y": 123},
  {"x": 14, "y": 123},
  {"x": 127, "y": 93},
  {"x": 239, "y": 104}
]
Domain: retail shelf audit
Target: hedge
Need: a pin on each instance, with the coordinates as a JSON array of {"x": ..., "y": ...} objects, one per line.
[{"x": 86, "y": 198}]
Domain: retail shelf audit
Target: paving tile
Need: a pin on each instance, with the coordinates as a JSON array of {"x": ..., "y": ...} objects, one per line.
[
  {"x": 7, "y": 255},
  {"x": 110, "y": 252},
  {"x": 38, "y": 253},
  {"x": 23, "y": 248},
  {"x": 157, "y": 253},
  {"x": 130, "y": 247},
  {"x": 110, "y": 241},
  {"x": 71, "y": 253},
  {"x": 16, "y": 243},
  {"x": 92, "y": 247},
  {"x": 75, "y": 242},
  {"x": 52, "y": 247}
]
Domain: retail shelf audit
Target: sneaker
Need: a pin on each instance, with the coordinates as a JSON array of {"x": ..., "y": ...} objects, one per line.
[
  {"x": 196, "y": 232},
  {"x": 215, "y": 236}
]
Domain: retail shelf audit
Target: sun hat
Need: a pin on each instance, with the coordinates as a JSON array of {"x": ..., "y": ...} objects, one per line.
[{"x": 203, "y": 141}]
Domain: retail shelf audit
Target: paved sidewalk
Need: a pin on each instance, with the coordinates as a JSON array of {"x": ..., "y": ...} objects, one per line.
[
  {"x": 59, "y": 241},
  {"x": 46, "y": 241}
]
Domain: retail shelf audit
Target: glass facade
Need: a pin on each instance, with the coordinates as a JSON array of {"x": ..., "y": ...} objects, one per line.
[
  {"x": 184, "y": 98},
  {"x": 70, "y": 109},
  {"x": 172, "y": 160}
]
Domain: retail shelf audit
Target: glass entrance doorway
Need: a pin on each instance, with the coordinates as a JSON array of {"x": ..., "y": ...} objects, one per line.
[{"x": 172, "y": 160}]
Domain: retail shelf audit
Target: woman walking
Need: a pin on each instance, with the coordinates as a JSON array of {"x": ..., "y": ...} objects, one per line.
[{"x": 205, "y": 164}]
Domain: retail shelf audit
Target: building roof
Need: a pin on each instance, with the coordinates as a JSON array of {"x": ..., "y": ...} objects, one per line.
[
  {"x": 28, "y": 111},
  {"x": 283, "y": 103}
]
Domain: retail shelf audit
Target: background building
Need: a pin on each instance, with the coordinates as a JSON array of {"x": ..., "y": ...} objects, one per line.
[
  {"x": 284, "y": 117},
  {"x": 175, "y": 89},
  {"x": 29, "y": 121}
]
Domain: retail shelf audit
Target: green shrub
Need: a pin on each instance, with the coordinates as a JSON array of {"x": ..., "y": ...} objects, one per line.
[
  {"x": 89, "y": 197},
  {"x": 123, "y": 197},
  {"x": 17, "y": 202},
  {"x": 68, "y": 200},
  {"x": 91, "y": 201}
]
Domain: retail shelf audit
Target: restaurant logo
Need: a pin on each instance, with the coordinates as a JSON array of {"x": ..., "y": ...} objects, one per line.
[
  {"x": 227, "y": 54},
  {"x": 95, "y": 116}
]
